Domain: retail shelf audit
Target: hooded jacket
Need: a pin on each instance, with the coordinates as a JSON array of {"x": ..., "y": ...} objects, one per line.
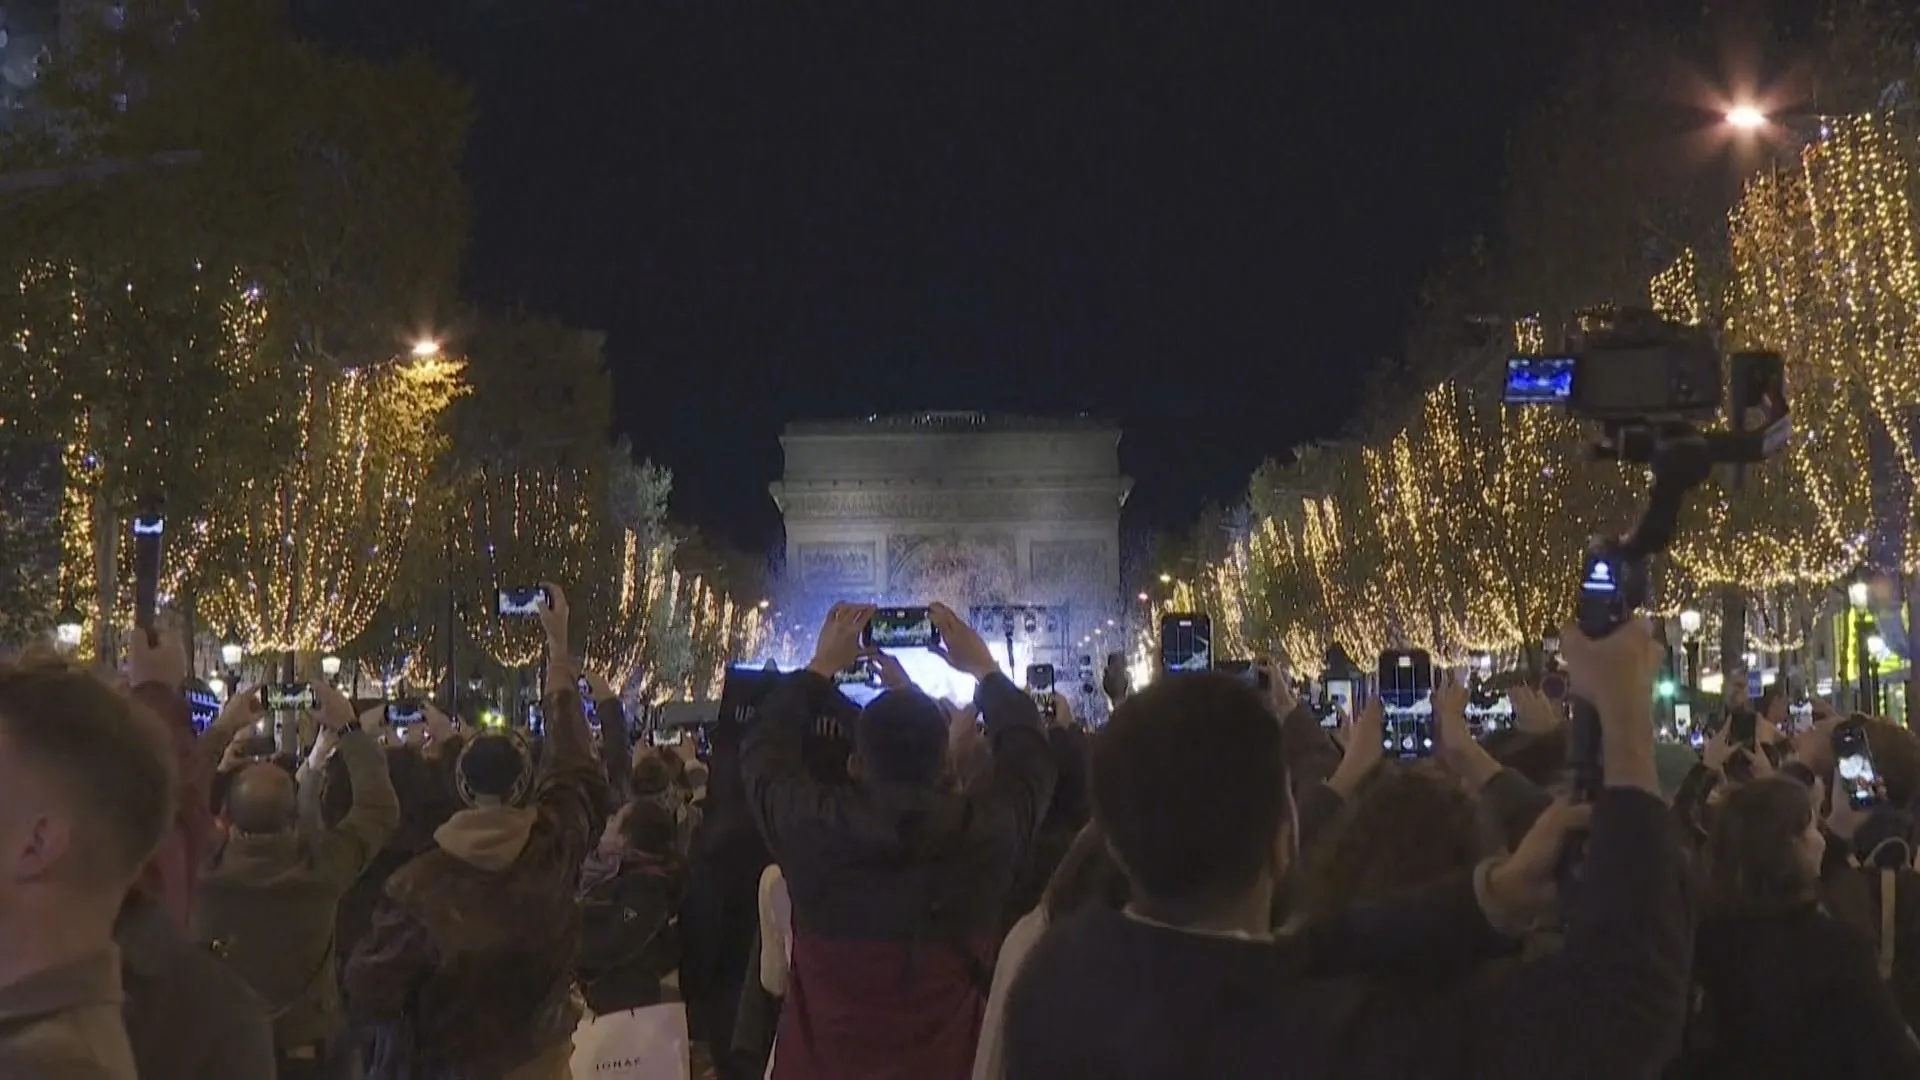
[
  {"x": 896, "y": 891},
  {"x": 467, "y": 971}
]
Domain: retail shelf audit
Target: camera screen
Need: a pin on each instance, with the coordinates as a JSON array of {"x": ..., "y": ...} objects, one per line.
[
  {"x": 289, "y": 696},
  {"x": 1186, "y": 643},
  {"x": 527, "y": 601},
  {"x": 1040, "y": 676},
  {"x": 1602, "y": 579},
  {"x": 902, "y": 628},
  {"x": 405, "y": 713},
  {"x": 1538, "y": 380},
  {"x": 205, "y": 708},
  {"x": 1406, "y": 702}
]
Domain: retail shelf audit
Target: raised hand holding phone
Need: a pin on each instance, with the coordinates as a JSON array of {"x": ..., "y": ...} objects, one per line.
[
  {"x": 960, "y": 645},
  {"x": 838, "y": 645},
  {"x": 1365, "y": 747},
  {"x": 156, "y": 656}
]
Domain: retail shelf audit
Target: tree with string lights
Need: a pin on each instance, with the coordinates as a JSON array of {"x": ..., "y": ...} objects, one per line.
[{"x": 306, "y": 560}]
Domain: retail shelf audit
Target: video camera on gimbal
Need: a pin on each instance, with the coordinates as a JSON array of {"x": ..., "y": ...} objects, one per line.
[{"x": 1649, "y": 385}]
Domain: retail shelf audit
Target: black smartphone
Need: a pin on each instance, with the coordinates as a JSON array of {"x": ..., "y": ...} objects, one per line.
[
  {"x": 1186, "y": 642},
  {"x": 1742, "y": 726},
  {"x": 1040, "y": 677},
  {"x": 1405, "y": 679},
  {"x": 527, "y": 600},
  {"x": 283, "y": 697},
  {"x": 148, "y": 530},
  {"x": 1240, "y": 669},
  {"x": 900, "y": 628},
  {"x": 1853, "y": 756},
  {"x": 401, "y": 714}
]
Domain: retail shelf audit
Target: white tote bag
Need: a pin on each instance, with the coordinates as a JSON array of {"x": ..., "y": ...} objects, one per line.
[{"x": 639, "y": 1044}]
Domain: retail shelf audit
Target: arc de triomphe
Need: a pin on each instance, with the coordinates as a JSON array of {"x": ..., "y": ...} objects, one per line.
[{"x": 964, "y": 508}]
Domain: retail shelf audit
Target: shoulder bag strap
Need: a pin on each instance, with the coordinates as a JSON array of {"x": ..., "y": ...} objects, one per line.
[{"x": 1889, "y": 921}]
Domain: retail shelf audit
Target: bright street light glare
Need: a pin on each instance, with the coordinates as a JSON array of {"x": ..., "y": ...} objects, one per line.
[
  {"x": 426, "y": 348},
  {"x": 1746, "y": 117}
]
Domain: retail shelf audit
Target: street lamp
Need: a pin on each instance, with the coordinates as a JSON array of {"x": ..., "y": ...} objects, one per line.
[
  {"x": 1746, "y": 118},
  {"x": 69, "y": 627},
  {"x": 1690, "y": 623},
  {"x": 1867, "y": 689},
  {"x": 425, "y": 349},
  {"x": 330, "y": 666},
  {"x": 1166, "y": 579},
  {"x": 231, "y": 650}
]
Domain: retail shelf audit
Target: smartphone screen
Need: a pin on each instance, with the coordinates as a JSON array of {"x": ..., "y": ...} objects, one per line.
[
  {"x": 1800, "y": 717},
  {"x": 900, "y": 628},
  {"x": 1040, "y": 676},
  {"x": 586, "y": 700},
  {"x": 528, "y": 600},
  {"x": 405, "y": 713},
  {"x": 1538, "y": 380},
  {"x": 1854, "y": 758},
  {"x": 1406, "y": 702},
  {"x": 285, "y": 697},
  {"x": 1186, "y": 643},
  {"x": 1339, "y": 704},
  {"x": 667, "y": 737},
  {"x": 204, "y": 706}
]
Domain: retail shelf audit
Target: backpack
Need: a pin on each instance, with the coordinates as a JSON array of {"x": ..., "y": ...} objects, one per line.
[{"x": 626, "y": 917}]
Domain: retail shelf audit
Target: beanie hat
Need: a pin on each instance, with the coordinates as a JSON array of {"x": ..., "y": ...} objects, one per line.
[
  {"x": 902, "y": 737},
  {"x": 495, "y": 769}
]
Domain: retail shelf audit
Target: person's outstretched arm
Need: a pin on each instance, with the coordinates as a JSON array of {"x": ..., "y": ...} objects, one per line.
[
  {"x": 1613, "y": 1001},
  {"x": 343, "y": 852}
]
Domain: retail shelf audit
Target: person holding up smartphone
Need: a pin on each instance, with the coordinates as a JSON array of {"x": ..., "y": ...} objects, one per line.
[{"x": 897, "y": 875}]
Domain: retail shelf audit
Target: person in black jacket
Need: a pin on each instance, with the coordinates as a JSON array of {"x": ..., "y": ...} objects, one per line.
[
  {"x": 897, "y": 881},
  {"x": 1787, "y": 990},
  {"x": 1188, "y": 981}
]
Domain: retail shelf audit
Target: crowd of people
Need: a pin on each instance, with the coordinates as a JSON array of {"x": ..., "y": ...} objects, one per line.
[{"x": 1209, "y": 885}]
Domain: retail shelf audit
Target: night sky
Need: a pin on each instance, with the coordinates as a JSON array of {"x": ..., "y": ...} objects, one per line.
[{"x": 1201, "y": 220}]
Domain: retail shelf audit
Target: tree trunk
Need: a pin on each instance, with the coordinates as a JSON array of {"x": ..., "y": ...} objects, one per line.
[
  {"x": 1733, "y": 630},
  {"x": 1910, "y": 584}
]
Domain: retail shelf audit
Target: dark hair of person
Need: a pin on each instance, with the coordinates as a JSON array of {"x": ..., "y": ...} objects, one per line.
[
  {"x": 1068, "y": 808},
  {"x": 1404, "y": 828},
  {"x": 1086, "y": 875},
  {"x": 493, "y": 765},
  {"x": 650, "y": 829},
  {"x": 107, "y": 757},
  {"x": 1896, "y": 757},
  {"x": 651, "y": 773},
  {"x": 1188, "y": 786},
  {"x": 902, "y": 738},
  {"x": 1751, "y": 861}
]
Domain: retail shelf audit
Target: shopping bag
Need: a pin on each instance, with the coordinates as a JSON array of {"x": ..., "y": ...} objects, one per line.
[{"x": 638, "y": 1044}]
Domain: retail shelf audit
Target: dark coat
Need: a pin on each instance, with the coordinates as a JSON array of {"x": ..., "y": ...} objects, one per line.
[
  {"x": 897, "y": 892},
  {"x": 188, "y": 1017},
  {"x": 467, "y": 970},
  {"x": 1106, "y": 996}
]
